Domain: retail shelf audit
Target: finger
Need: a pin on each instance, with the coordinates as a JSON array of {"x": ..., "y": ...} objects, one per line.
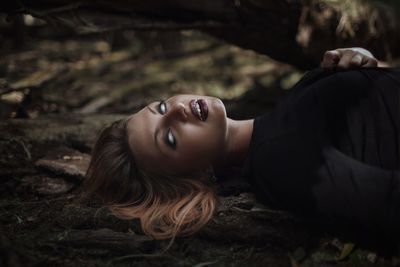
[
  {"x": 356, "y": 60},
  {"x": 330, "y": 59},
  {"x": 383, "y": 64},
  {"x": 369, "y": 62},
  {"x": 345, "y": 60}
]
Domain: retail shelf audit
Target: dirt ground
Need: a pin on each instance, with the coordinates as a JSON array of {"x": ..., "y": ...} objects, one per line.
[{"x": 59, "y": 89}]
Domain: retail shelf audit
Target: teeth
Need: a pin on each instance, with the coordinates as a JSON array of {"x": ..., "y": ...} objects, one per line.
[{"x": 198, "y": 110}]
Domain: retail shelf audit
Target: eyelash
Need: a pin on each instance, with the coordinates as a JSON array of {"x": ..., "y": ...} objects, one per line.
[
  {"x": 169, "y": 137},
  {"x": 160, "y": 107}
]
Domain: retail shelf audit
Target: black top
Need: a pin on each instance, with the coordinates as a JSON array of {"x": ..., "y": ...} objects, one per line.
[{"x": 331, "y": 150}]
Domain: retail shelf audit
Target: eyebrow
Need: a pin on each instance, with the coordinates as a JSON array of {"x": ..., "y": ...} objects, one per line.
[{"x": 155, "y": 137}]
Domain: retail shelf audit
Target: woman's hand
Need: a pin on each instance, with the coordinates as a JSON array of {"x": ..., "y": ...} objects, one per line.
[{"x": 348, "y": 58}]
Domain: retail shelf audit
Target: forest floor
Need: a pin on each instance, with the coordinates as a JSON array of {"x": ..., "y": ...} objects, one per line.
[{"x": 58, "y": 90}]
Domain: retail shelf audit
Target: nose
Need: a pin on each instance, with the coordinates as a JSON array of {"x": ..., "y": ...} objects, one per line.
[{"x": 177, "y": 112}]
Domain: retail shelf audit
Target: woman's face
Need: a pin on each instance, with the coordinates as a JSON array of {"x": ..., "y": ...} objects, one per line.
[{"x": 182, "y": 135}]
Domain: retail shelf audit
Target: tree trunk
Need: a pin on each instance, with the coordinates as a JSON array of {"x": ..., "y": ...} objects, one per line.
[{"x": 292, "y": 31}]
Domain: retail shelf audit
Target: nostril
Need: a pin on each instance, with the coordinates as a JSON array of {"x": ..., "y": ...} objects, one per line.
[{"x": 185, "y": 113}]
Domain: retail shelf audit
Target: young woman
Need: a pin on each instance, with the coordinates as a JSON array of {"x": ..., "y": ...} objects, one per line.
[{"x": 329, "y": 150}]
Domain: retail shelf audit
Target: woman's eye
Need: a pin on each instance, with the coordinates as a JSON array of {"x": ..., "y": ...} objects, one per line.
[
  {"x": 170, "y": 139},
  {"x": 162, "y": 107}
]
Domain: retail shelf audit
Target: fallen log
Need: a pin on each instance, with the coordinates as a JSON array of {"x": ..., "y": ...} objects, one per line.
[{"x": 107, "y": 239}]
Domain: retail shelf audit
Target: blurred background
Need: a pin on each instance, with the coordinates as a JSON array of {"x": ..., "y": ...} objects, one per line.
[
  {"x": 51, "y": 69},
  {"x": 81, "y": 57}
]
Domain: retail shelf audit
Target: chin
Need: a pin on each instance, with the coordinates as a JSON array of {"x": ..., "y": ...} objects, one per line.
[{"x": 221, "y": 105}]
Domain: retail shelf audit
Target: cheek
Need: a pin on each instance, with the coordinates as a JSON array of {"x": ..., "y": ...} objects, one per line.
[{"x": 203, "y": 142}]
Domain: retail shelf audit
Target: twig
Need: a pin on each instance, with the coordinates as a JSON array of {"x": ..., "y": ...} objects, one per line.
[
  {"x": 35, "y": 202},
  {"x": 50, "y": 10},
  {"x": 8, "y": 89},
  {"x": 132, "y": 256},
  {"x": 28, "y": 153},
  {"x": 241, "y": 210},
  {"x": 151, "y": 25},
  {"x": 207, "y": 263}
]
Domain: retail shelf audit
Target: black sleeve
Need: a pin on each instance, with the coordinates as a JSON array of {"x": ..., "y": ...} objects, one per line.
[
  {"x": 341, "y": 90},
  {"x": 332, "y": 91},
  {"x": 352, "y": 192}
]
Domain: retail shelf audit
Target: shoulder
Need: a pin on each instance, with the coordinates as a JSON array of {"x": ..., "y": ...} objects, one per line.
[
  {"x": 348, "y": 76},
  {"x": 355, "y": 82}
]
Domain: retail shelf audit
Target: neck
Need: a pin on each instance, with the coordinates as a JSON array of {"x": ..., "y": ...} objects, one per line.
[{"x": 238, "y": 142}]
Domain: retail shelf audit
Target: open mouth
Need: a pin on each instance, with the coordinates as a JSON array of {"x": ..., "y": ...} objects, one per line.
[{"x": 199, "y": 109}]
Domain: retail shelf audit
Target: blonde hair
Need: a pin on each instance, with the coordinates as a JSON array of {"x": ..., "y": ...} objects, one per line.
[{"x": 166, "y": 206}]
